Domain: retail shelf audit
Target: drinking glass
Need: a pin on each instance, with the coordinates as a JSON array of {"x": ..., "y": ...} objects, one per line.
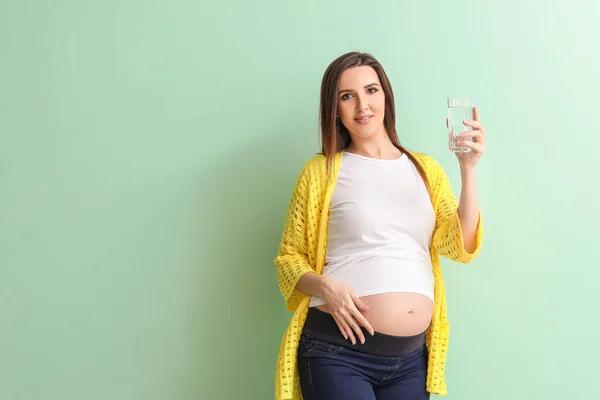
[{"x": 459, "y": 110}]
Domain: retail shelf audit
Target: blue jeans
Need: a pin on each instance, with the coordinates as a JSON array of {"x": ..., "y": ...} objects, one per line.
[{"x": 333, "y": 372}]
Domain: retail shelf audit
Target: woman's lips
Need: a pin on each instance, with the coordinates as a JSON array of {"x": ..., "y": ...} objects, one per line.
[{"x": 364, "y": 119}]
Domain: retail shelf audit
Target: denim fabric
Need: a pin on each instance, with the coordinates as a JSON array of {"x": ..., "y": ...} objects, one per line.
[{"x": 333, "y": 372}]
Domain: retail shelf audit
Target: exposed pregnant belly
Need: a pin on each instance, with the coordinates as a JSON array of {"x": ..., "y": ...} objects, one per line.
[{"x": 398, "y": 314}]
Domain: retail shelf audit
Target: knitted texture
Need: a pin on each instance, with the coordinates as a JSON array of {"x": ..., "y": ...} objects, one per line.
[{"x": 303, "y": 249}]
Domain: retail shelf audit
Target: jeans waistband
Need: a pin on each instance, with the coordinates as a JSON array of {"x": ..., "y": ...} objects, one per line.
[{"x": 321, "y": 326}]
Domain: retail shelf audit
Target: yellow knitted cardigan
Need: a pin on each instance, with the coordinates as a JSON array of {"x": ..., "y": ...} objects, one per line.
[{"x": 303, "y": 249}]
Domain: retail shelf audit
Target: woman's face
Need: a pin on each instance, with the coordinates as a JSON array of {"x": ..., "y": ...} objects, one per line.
[{"x": 361, "y": 102}]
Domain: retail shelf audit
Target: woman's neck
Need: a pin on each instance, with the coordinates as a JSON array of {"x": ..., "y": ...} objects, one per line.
[{"x": 382, "y": 148}]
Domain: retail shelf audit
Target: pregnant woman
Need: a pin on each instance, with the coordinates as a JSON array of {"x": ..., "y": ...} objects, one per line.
[{"x": 358, "y": 262}]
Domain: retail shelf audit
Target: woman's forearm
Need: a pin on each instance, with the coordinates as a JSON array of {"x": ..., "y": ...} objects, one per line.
[
  {"x": 468, "y": 209},
  {"x": 312, "y": 284}
]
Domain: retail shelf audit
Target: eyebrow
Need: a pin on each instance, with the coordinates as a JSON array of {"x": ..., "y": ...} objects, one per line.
[{"x": 349, "y": 90}]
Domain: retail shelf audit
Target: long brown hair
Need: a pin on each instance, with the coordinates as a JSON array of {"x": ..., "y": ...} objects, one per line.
[{"x": 334, "y": 135}]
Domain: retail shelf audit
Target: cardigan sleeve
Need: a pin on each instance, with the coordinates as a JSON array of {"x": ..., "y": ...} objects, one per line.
[
  {"x": 292, "y": 257},
  {"x": 448, "y": 235}
]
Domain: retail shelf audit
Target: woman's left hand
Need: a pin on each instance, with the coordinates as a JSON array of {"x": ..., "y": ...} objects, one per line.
[{"x": 470, "y": 159}]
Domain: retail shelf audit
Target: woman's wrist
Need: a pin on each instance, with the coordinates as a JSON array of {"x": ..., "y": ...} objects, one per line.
[
  {"x": 324, "y": 285},
  {"x": 467, "y": 171}
]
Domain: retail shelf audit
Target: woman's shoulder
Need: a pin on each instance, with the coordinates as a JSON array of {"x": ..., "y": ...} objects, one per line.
[
  {"x": 427, "y": 161},
  {"x": 316, "y": 165},
  {"x": 316, "y": 160},
  {"x": 311, "y": 168},
  {"x": 433, "y": 169},
  {"x": 315, "y": 171}
]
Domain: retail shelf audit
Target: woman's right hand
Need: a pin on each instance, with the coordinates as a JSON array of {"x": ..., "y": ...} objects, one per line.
[{"x": 346, "y": 308}]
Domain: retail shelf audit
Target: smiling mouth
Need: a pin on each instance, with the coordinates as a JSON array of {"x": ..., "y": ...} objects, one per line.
[{"x": 363, "y": 119}]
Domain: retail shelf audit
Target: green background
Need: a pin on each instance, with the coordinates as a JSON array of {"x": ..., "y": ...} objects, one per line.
[{"x": 148, "y": 151}]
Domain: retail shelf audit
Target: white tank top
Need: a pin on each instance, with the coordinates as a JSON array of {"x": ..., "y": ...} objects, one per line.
[{"x": 380, "y": 226}]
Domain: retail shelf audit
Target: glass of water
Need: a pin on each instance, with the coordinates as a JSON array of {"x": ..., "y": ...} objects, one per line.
[{"x": 459, "y": 110}]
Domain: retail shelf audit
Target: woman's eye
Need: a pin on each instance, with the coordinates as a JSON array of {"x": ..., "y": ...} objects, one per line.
[
  {"x": 372, "y": 90},
  {"x": 346, "y": 96}
]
